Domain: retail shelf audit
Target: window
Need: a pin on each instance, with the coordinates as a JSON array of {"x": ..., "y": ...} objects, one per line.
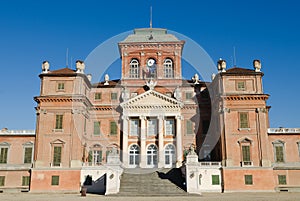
[
  {"x": 170, "y": 126},
  {"x": 98, "y": 96},
  {"x": 151, "y": 68},
  {"x": 57, "y": 155},
  {"x": 240, "y": 86},
  {"x": 298, "y": 143},
  {"x": 152, "y": 155},
  {"x": 205, "y": 126},
  {"x": 215, "y": 179},
  {"x": 134, "y": 68},
  {"x": 113, "y": 128},
  {"x": 134, "y": 152},
  {"x": 248, "y": 180},
  {"x": 134, "y": 127},
  {"x": 246, "y": 153},
  {"x": 55, "y": 180},
  {"x": 243, "y": 120},
  {"x": 97, "y": 128},
  {"x": 2, "y": 180},
  {"x": 28, "y": 154},
  {"x": 168, "y": 68},
  {"x": 188, "y": 95},
  {"x": 152, "y": 126},
  {"x": 170, "y": 155},
  {"x": 3, "y": 154},
  {"x": 60, "y": 86},
  {"x": 59, "y": 121},
  {"x": 95, "y": 155},
  {"x": 189, "y": 127},
  {"x": 278, "y": 151},
  {"x": 282, "y": 179},
  {"x": 114, "y": 96},
  {"x": 25, "y": 180}
]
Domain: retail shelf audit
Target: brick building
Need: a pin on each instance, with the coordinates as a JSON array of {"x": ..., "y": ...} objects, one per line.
[{"x": 151, "y": 117}]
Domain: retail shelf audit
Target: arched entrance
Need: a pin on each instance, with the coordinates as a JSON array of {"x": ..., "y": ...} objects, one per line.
[
  {"x": 152, "y": 156},
  {"x": 134, "y": 152},
  {"x": 170, "y": 159}
]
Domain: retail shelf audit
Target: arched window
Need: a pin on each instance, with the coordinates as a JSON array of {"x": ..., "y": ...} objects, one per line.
[
  {"x": 170, "y": 158},
  {"x": 152, "y": 155},
  {"x": 134, "y": 152},
  {"x": 134, "y": 68},
  {"x": 168, "y": 68}
]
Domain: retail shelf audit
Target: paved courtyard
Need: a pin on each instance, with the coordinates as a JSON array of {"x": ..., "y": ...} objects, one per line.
[{"x": 206, "y": 197}]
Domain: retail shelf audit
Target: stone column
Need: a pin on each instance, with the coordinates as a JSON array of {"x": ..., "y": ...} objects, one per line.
[
  {"x": 161, "y": 158},
  {"x": 125, "y": 141},
  {"x": 143, "y": 157},
  {"x": 178, "y": 141}
]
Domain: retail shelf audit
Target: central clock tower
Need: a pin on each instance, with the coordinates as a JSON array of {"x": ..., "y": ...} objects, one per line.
[{"x": 151, "y": 53}]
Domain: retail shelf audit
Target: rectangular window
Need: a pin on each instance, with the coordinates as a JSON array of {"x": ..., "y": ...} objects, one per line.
[
  {"x": 98, "y": 96},
  {"x": 152, "y": 126},
  {"x": 134, "y": 127},
  {"x": 60, "y": 86},
  {"x": 243, "y": 120},
  {"x": 113, "y": 96},
  {"x": 97, "y": 128},
  {"x": 241, "y": 86},
  {"x": 3, "y": 154},
  {"x": 57, "y": 155},
  {"x": 55, "y": 180},
  {"x": 279, "y": 154},
  {"x": 97, "y": 157},
  {"x": 188, "y": 95},
  {"x": 170, "y": 126},
  {"x": 282, "y": 179},
  {"x": 2, "y": 180},
  {"x": 25, "y": 180},
  {"x": 248, "y": 180},
  {"x": 205, "y": 126},
  {"x": 215, "y": 179},
  {"x": 189, "y": 127},
  {"x": 246, "y": 153},
  {"x": 113, "y": 128},
  {"x": 59, "y": 121},
  {"x": 28, "y": 155}
]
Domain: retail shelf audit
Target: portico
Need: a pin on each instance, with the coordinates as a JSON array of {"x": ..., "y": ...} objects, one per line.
[{"x": 152, "y": 131}]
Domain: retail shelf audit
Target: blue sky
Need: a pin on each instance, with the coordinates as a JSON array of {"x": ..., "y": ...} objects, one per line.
[{"x": 34, "y": 31}]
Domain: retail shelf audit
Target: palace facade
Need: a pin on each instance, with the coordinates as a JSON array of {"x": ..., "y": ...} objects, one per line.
[{"x": 151, "y": 118}]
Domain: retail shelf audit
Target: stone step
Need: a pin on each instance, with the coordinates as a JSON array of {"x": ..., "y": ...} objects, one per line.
[{"x": 158, "y": 183}]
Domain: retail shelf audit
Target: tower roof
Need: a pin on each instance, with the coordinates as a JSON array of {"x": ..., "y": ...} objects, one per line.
[{"x": 150, "y": 35}]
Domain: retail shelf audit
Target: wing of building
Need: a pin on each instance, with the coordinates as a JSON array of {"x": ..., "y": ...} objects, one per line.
[{"x": 151, "y": 118}]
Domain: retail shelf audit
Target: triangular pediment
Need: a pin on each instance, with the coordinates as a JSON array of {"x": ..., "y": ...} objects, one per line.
[{"x": 152, "y": 100}]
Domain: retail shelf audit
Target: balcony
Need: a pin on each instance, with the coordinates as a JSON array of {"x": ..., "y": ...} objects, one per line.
[
  {"x": 247, "y": 163},
  {"x": 210, "y": 164},
  {"x": 17, "y": 132},
  {"x": 283, "y": 130}
]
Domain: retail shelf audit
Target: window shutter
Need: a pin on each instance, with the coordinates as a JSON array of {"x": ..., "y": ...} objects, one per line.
[
  {"x": 97, "y": 128},
  {"x": 113, "y": 128},
  {"x": 3, "y": 155},
  {"x": 28, "y": 155},
  {"x": 246, "y": 153},
  {"x": 57, "y": 156}
]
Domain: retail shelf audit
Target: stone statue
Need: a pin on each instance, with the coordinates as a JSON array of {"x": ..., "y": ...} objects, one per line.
[
  {"x": 45, "y": 67},
  {"x": 177, "y": 94},
  {"x": 80, "y": 66},
  {"x": 106, "y": 79},
  {"x": 196, "y": 79},
  {"x": 257, "y": 65},
  {"x": 221, "y": 65},
  {"x": 125, "y": 94}
]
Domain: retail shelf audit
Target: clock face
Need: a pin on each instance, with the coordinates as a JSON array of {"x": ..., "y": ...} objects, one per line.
[{"x": 150, "y": 62}]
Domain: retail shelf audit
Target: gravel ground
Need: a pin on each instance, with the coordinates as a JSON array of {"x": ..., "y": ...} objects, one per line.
[{"x": 204, "y": 197}]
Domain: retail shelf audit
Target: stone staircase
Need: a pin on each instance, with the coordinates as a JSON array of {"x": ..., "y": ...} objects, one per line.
[{"x": 160, "y": 182}]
